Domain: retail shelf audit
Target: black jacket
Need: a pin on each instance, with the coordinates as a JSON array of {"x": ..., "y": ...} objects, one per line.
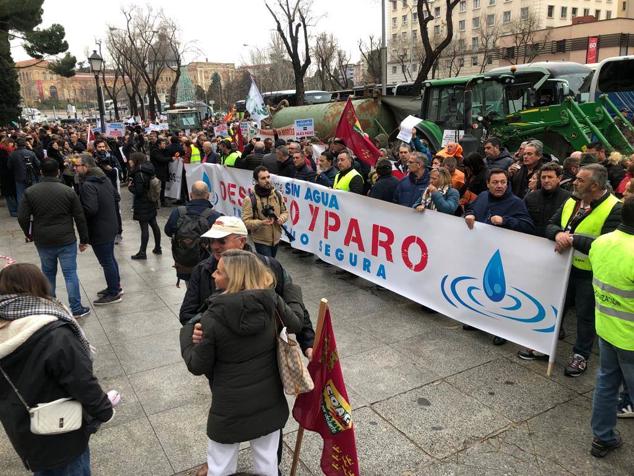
[
  {"x": 56, "y": 154},
  {"x": 384, "y": 188},
  {"x": 53, "y": 206},
  {"x": 99, "y": 200},
  {"x": 502, "y": 161},
  {"x": 17, "y": 163},
  {"x": 250, "y": 162},
  {"x": 160, "y": 159},
  {"x": 201, "y": 286},
  {"x": 51, "y": 364},
  {"x": 305, "y": 173},
  {"x": 543, "y": 205},
  {"x": 519, "y": 181},
  {"x": 238, "y": 356},
  {"x": 616, "y": 172},
  {"x": 144, "y": 208},
  {"x": 271, "y": 163},
  {"x": 286, "y": 168},
  {"x": 327, "y": 177}
]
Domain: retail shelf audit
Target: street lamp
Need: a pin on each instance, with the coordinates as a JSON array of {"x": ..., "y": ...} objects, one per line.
[{"x": 96, "y": 66}]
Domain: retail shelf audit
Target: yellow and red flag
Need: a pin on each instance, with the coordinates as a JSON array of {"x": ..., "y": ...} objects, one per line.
[
  {"x": 326, "y": 409},
  {"x": 349, "y": 129}
]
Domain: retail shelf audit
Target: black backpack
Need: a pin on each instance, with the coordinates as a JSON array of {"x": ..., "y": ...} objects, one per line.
[
  {"x": 186, "y": 249},
  {"x": 29, "y": 173}
]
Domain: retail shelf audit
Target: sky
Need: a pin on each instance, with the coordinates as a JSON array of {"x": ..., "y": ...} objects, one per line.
[{"x": 218, "y": 28}]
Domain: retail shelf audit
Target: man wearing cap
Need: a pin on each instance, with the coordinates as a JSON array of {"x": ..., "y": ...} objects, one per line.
[
  {"x": 230, "y": 233},
  {"x": 228, "y": 156}
]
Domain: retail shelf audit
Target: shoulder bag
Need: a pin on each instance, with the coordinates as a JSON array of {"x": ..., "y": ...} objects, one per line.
[
  {"x": 294, "y": 375},
  {"x": 59, "y": 416}
]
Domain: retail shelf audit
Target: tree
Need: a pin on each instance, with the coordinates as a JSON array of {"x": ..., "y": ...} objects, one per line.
[
  {"x": 332, "y": 63},
  {"x": 371, "y": 54},
  {"x": 19, "y": 20},
  {"x": 295, "y": 18},
  {"x": 488, "y": 39},
  {"x": 400, "y": 53},
  {"x": 432, "y": 49},
  {"x": 200, "y": 93},
  {"x": 64, "y": 66},
  {"x": 523, "y": 33},
  {"x": 214, "y": 92}
]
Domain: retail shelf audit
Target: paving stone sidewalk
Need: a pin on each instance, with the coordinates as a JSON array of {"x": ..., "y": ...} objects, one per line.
[{"x": 428, "y": 398}]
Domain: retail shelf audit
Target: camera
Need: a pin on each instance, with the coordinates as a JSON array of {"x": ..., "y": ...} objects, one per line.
[{"x": 269, "y": 212}]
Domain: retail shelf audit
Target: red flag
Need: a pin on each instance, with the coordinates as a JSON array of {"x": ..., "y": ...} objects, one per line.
[
  {"x": 349, "y": 129},
  {"x": 326, "y": 409},
  {"x": 240, "y": 139}
]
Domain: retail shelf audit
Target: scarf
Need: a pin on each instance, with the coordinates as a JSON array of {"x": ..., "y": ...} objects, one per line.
[
  {"x": 428, "y": 202},
  {"x": 261, "y": 191},
  {"x": 17, "y": 306}
]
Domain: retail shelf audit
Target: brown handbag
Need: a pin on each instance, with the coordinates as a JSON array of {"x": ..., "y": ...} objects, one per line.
[{"x": 294, "y": 375}]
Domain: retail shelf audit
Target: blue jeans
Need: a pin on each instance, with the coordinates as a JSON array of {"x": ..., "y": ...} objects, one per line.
[
  {"x": 617, "y": 367},
  {"x": 12, "y": 205},
  {"x": 105, "y": 254},
  {"x": 79, "y": 467},
  {"x": 20, "y": 187},
  {"x": 67, "y": 256},
  {"x": 266, "y": 250}
]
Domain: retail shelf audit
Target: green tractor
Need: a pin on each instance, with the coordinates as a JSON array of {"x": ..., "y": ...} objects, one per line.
[{"x": 544, "y": 101}]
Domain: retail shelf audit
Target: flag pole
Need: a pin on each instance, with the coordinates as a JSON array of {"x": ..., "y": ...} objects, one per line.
[{"x": 323, "y": 307}]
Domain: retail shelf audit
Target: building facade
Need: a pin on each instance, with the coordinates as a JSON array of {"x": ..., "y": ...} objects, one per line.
[{"x": 478, "y": 27}]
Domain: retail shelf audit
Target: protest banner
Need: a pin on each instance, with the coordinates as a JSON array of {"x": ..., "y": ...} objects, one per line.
[
  {"x": 285, "y": 133},
  {"x": 304, "y": 128},
  {"x": 221, "y": 130},
  {"x": 175, "y": 178},
  {"x": 489, "y": 277},
  {"x": 115, "y": 129}
]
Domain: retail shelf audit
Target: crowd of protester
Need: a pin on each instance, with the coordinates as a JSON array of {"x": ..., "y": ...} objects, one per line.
[{"x": 56, "y": 179}]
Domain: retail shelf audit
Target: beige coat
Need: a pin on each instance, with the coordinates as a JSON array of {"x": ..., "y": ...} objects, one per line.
[{"x": 260, "y": 232}]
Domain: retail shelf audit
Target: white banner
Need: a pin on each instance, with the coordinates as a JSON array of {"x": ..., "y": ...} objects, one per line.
[
  {"x": 115, "y": 129},
  {"x": 173, "y": 184},
  {"x": 506, "y": 283}
]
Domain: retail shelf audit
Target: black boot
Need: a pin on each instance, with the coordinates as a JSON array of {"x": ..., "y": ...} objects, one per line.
[{"x": 139, "y": 255}]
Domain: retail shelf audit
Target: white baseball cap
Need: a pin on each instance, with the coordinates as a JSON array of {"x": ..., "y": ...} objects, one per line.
[{"x": 225, "y": 226}]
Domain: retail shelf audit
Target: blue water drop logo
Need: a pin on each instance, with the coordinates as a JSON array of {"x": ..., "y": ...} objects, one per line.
[
  {"x": 494, "y": 279},
  {"x": 206, "y": 180}
]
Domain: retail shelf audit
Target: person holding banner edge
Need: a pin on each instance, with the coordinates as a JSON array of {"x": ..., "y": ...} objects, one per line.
[{"x": 591, "y": 211}]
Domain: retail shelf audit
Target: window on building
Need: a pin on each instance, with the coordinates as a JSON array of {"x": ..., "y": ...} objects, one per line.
[
  {"x": 461, "y": 25},
  {"x": 506, "y": 16},
  {"x": 586, "y": 12},
  {"x": 490, "y": 20},
  {"x": 404, "y": 19},
  {"x": 404, "y": 35},
  {"x": 394, "y": 37},
  {"x": 475, "y": 43},
  {"x": 414, "y": 16},
  {"x": 437, "y": 30},
  {"x": 462, "y": 44},
  {"x": 414, "y": 35},
  {"x": 437, "y": 12},
  {"x": 491, "y": 2},
  {"x": 393, "y": 69},
  {"x": 524, "y": 13},
  {"x": 573, "y": 12},
  {"x": 414, "y": 67},
  {"x": 463, "y": 6},
  {"x": 476, "y": 4},
  {"x": 550, "y": 11},
  {"x": 394, "y": 5},
  {"x": 404, "y": 3},
  {"x": 394, "y": 22},
  {"x": 509, "y": 52},
  {"x": 560, "y": 46},
  {"x": 624, "y": 6},
  {"x": 608, "y": 14},
  {"x": 460, "y": 61},
  {"x": 475, "y": 23},
  {"x": 474, "y": 61},
  {"x": 489, "y": 59},
  {"x": 564, "y": 12},
  {"x": 597, "y": 14}
]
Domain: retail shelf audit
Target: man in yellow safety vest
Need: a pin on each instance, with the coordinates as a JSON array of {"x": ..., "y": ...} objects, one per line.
[
  {"x": 612, "y": 259},
  {"x": 348, "y": 179},
  {"x": 591, "y": 211}
]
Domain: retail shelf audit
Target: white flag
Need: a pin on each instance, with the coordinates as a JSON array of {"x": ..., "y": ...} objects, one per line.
[{"x": 255, "y": 104}]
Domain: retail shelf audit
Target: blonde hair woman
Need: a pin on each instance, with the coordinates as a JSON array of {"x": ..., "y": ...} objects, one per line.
[
  {"x": 439, "y": 195},
  {"x": 238, "y": 356}
]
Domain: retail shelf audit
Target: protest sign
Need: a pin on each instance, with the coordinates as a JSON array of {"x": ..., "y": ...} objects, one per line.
[
  {"x": 304, "y": 128},
  {"x": 407, "y": 124},
  {"x": 221, "y": 130},
  {"x": 285, "y": 133},
  {"x": 115, "y": 129},
  {"x": 175, "y": 178},
  {"x": 451, "y": 135},
  {"x": 489, "y": 277}
]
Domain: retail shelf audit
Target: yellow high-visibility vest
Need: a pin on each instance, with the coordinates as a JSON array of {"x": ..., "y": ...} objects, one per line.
[
  {"x": 343, "y": 183},
  {"x": 195, "y": 157},
  {"x": 612, "y": 259}
]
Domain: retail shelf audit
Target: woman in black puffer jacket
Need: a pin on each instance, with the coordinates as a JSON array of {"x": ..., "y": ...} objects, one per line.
[
  {"x": 141, "y": 172},
  {"x": 238, "y": 356}
]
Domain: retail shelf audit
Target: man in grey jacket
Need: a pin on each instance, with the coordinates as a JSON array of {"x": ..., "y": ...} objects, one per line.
[{"x": 46, "y": 216}]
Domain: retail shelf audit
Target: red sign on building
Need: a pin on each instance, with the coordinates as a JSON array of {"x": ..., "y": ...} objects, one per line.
[{"x": 592, "y": 54}]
